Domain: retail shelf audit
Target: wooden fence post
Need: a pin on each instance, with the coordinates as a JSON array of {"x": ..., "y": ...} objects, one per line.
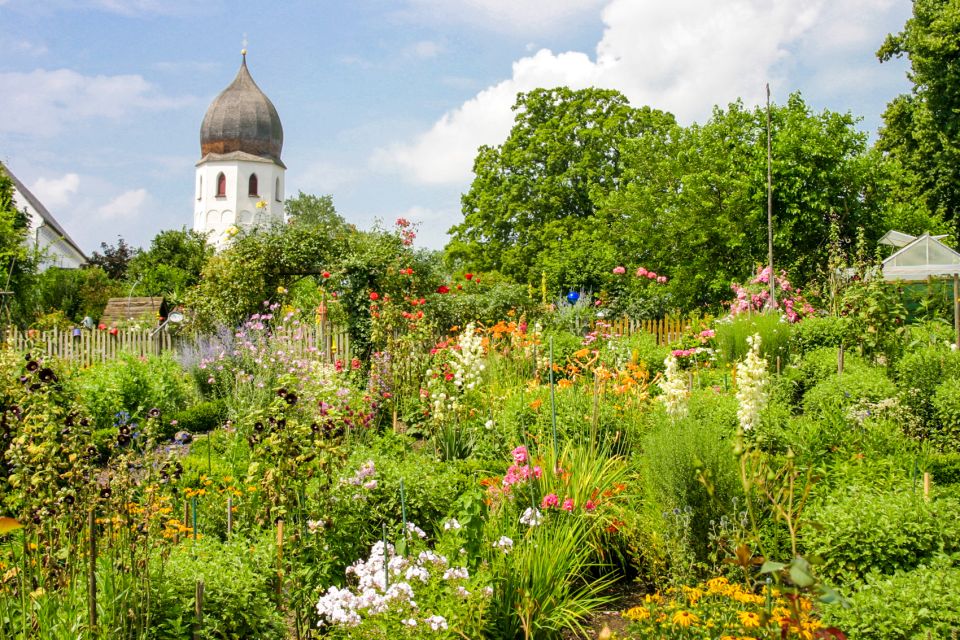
[{"x": 198, "y": 610}]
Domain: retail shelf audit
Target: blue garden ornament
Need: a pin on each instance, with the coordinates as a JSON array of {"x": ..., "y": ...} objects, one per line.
[{"x": 573, "y": 296}]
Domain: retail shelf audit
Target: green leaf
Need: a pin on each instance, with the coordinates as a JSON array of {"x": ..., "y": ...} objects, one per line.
[
  {"x": 772, "y": 567},
  {"x": 800, "y": 573}
]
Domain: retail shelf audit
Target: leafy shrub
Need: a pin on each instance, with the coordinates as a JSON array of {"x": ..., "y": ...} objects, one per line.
[
  {"x": 816, "y": 365},
  {"x": 946, "y": 403},
  {"x": 643, "y": 347},
  {"x": 237, "y": 601},
  {"x": 864, "y": 532},
  {"x": 923, "y": 603},
  {"x": 133, "y": 385},
  {"x": 919, "y": 373},
  {"x": 818, "y": 332},
  {"x": 200, "y": 418},
  {"x": 835, "y": 395},
  {"x": 944, "y": 468}
]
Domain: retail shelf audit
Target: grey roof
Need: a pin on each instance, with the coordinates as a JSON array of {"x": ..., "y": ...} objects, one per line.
[
  {"x": 41, "y": 210},
  {"x": 242, "y": 118}
]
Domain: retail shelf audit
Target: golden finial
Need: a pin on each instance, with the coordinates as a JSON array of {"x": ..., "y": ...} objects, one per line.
[{"x": 243, "y": 51}]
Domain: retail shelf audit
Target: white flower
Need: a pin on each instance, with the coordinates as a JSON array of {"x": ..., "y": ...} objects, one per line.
[
  {"x": 437, "y": 623},
  {"x": 452, "y": 523},
  {"x": 531, "y": 517},
  {"x": 751, "y": 385},
  {"x": 410, "y": 622},
  {"x": 505, "y": 544},
  {"x": 412, "y": 528},
  {"x": 456, "y": 573},
  {"x": 674, "y": 389},
  {"x": 463, "y": 592}
]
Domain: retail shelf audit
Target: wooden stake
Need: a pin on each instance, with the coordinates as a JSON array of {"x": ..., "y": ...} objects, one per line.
[
  {"x": 198, "y": 611},
  {"x": 778, "y": 365},
  {"x": 92, "y": 577},
  {"x": 840, "y": 359},
  {"x": 229, "y": 515},
  {"x": 279, "y": 557},
  {"x": 926, "y": 486}
]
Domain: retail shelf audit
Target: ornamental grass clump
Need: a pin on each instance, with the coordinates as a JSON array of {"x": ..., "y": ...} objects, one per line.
[{"x": 752, "y": 379}]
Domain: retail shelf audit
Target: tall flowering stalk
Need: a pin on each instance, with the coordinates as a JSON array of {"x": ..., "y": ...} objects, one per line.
[
  {"x": 752, "y": 379},
  {"x": 674, "y": 388}
]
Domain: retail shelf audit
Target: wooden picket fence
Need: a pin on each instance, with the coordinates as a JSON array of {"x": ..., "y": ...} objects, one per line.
[
  {"x": 666, "y": 330},
  {"x": 86, "y": 347}
]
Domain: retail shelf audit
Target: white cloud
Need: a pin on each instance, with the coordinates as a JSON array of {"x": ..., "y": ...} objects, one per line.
[
  {"x": 125, "y": 206},
  {"x": 513, "y": 16},
  {"x": 424, "y": 49},
  {"x": 432, "y": 224},
  {"x": 56, "y": 192},
  {"x": 43, "y": 102},
  {"x": 684, "y": 57}
]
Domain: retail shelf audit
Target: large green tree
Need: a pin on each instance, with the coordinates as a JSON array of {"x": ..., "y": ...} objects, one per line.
[
  {"x": 171, "y": 265},
  {"x": 921, "y": 129},
  {"x": 692, "y": 203},
  {"x": 532, "y": 201}
]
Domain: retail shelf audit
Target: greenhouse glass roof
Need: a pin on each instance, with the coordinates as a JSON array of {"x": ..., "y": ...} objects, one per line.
[{"x": 922, "y": 258}]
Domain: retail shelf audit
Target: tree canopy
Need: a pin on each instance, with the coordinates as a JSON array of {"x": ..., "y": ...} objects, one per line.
[{"x": 921, "y": 130}]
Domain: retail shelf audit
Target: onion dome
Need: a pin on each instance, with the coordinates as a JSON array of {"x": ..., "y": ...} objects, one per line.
[{"x": 242, "y": 119}]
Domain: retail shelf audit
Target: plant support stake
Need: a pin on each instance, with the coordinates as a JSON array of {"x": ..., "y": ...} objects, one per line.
[
  {"x": 553, "y": 404},
  {"x": 92, "y": 577}
]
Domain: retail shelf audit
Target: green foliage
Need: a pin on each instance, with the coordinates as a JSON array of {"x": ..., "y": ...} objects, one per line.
[
  {"x": 913, "y": 605},
  {"x": 171, "y": 265},
  {"x": 76, "y": 293},
  {"x": 860, "y": 532},
  {"x": 531, "y": 206},
  {"x": 775, "y": 331},
  {"x": 132, "y": 385},
  {"x": 820, "y": 331},
  {"x": 919, "y": 373},
  {"x": 308, "y": 210},
  {"x": 946, "y": 403},
  {"x": 238, "y": 602},
  {"x": 877, "y": 317},
  {"x": 115, "y": 259},
  {"x": 201, "y": 417},
  {"x": 944, "y": 468},
  {"x": 18, "y": 265},
  {"x": 833, "y": 396},
  {"x": 921, "y": 130},
  {"x": 679, "y": 454}
]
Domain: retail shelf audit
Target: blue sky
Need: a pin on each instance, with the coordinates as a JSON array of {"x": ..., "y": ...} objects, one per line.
[{"x": 383, "y": 102}]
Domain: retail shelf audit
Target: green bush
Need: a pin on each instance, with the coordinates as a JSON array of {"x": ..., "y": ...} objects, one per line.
[
  {"x": 946, "y": 403},
  {"x": 202, "y": 417},
  {"x": 816, "y": 365},
  {"x": 864, "y": 532},
  {"x": 919, "y": 373},
  {"x": 132, "y": 385},
  {"x": 237, "y": 596},
  {"x": 944, "y": 468},
  {"x": 834, "y": 396},
  {"x": 818, "y": 332},
  {"x": 915, "y": 605}
]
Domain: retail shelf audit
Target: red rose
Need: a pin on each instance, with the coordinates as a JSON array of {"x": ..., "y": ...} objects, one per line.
[
  {"x": 468, "y": 276},
  {"x": 443, "y": 289},
  {"x": 374, "y": 296},
  {"x": 326, "y": 274}
]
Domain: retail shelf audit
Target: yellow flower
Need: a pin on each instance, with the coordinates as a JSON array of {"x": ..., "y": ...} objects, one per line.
[
  {"x": 685, "y": 619},
  {"x": 718, "y": 585},
  {"x": 261, "y": 204},
  {"x": 637, "y": 613},
  {"x": 749, "y": 619}
]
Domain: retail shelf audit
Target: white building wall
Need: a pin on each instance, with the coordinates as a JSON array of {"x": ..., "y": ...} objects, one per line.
[
  {"x": 215, "y": 215},
  {"x": 44, "y": 238}
]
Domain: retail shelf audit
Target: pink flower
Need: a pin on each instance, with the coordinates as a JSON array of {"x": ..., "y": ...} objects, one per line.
[
  {"x": 706, "y": 334},
  {"x": 567, "y": 504},
  {"x": 619, "y": 271},
  {"x": 549, "y": 500},
  {"x": 590, "y": 506},
  {"x": 641, "y": 272},
  {"x": 537, "y": 472},
  {"x": 662, "y": 279},
  {"x": 652, "y": 275},
  {"x": 520, "y": 454}
]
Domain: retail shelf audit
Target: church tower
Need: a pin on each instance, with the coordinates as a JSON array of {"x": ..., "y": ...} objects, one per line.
[{"x": 240, "y": 175}]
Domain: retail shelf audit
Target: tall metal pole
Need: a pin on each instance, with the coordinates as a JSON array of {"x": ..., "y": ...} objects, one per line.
[{"x": 772, "y": 302}]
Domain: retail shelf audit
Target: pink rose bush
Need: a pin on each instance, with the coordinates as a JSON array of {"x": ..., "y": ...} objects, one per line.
[{"x": 756, "y": 293}]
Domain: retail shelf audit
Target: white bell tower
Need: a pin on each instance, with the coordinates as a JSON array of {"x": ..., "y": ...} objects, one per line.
[{"x": 240, "y": 176}]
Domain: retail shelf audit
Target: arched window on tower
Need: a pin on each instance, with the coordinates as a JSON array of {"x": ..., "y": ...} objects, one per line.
[
  {"x": 276, "y": 191},
  {"x": 252, "y": 186},
  {"x": 221, "y": 186}
]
